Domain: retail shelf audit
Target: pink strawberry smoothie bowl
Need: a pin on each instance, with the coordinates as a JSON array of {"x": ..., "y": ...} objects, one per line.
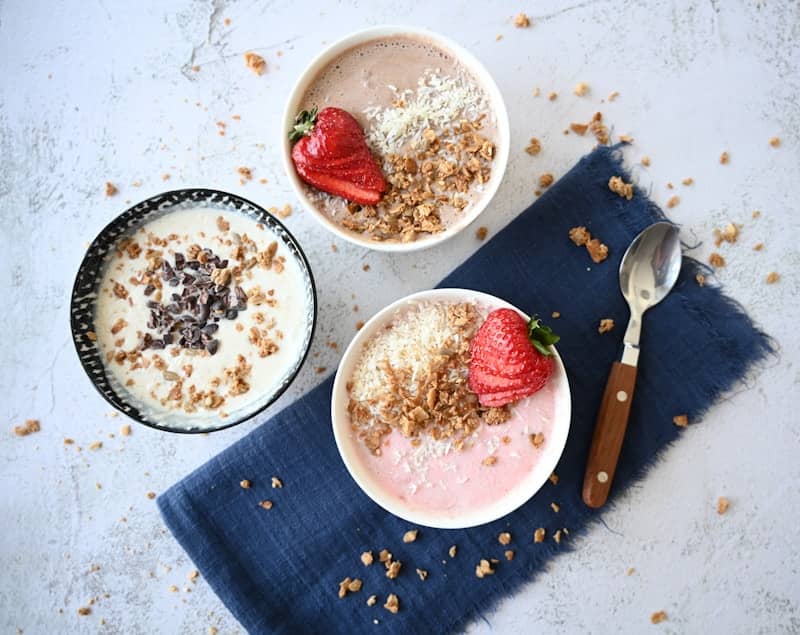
[{"x": 488, "y": 468}]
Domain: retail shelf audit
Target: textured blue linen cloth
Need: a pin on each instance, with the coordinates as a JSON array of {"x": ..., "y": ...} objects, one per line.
[{"x": 278, "y": 571}]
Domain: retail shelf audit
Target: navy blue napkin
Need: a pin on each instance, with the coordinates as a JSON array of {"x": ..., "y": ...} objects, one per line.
[{"x": 279, "y": 570}]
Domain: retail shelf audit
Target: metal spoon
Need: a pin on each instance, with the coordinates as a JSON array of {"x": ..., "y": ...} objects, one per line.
[{"x": 647, "y": 274}]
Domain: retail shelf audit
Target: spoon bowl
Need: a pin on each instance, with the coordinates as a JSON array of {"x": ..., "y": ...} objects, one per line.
[{"x": 650, "y": 266}]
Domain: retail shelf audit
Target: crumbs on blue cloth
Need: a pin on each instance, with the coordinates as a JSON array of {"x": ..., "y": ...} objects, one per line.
[{"x": 281, "y": 570}]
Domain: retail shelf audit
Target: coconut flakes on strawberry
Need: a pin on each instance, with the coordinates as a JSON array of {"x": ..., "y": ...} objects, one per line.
[
  {"x": 510, "y": 358},
  {"x": 330, "y": 153}
]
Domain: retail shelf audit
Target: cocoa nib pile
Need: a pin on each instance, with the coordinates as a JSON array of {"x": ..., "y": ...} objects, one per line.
[{"x": 191, "y": 317}]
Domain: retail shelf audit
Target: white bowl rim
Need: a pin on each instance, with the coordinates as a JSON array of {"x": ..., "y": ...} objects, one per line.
[
  {"x": 462, "y": 55},
  {"x": 514, "y": 499}
]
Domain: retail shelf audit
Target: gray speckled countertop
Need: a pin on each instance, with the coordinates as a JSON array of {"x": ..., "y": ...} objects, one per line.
[{"x": 96, "y": 91}]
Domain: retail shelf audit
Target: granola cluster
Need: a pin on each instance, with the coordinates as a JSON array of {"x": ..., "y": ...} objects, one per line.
[
  {"x": 427, "y": 184},
  {"x": 437, "y": 403}
]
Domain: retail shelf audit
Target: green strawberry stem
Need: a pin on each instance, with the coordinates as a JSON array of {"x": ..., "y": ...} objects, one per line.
[
  {"x": 303, "y": 124},
  {"x": 542, "y": 337}
]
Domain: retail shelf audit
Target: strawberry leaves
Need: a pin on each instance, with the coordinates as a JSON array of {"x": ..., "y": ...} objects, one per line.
[
  {"x": 542, "y": 337},
  {"x": 303, "y": 124}
]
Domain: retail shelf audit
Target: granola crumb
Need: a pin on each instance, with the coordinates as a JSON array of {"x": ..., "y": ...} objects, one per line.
[
  {"x": 365, "y": 267},
  {"x": 681, "y": 420},
  {"x": 658, "y": 617},
  {"x": 452, "y": 551},
  {"x": 756, "y": 214},
  {"x": 410, "y": 535},
  {"x": 498, "y": 37},
  {"x": 716, "y": 260},
  {"x": 393, "y": 569},
  {"x": 546, "y": 180},
  {"x": 557, "y": 536},
  {"x": 245, "y": 172},
  {"x": 125, "y": 430},
  {"x": 645, "y": 161},
  {"x": 554, "y": 478},
  {"x": 613, "y": 96},
  {"x": 626, "y": 138},
  {"x": 728, "y": 234},
  {"x": 722, "y": 505},
  {"x": 84, "y": 610},
  {"x": 537, "y": 439},
  {"x": 320, "y": 369},
  {"x": 255, "y": 63},
  {"x": 670, "y": 186},
  {"x": 581, "y": 89},
  {"x": 774, "y": 142},
  {"x": 555, "y": 315},
  {"x": 193, "y": 575},
  {"x": 758, "y": 246},
  {"x": 173, "y": 588},
  {"x": 30, "y": 426},
  {"x": 69, "y": 441},
  {"x": 536, "y": 92},
  {"x": 385, "y": 556},
  {"x": 367, "y": 558},
  {"x": 212, "y": 630},
  {"x": 371, "y": 600},
  {"x": 285, "y": 211},
  {"x": 265, "y": 504},
  {"x": 276, "y": 482},
  {"x": 618, "y": 186},
  {"x": 392, "y": 603},
  {"x": 534, "y": 147},
  {"x": 151, "y": 495},
  {"x": 509, "y": 554},
  {"x": 422, "y": 574},
  {"x": 111, "y": 189},
  {"x": 489, "y": 460},
  {"x": 598, "y": 252},
  {"x": 701, "y": 279},
  {"x": 724, "y": 158},
  {"x": 688, "y": 180},
  {"x": 579, "y": 235},
  {"x": 673, "y": 201},
  {"x": 522, "y": 21},
  {"x": 579, "y": 128},
  {"x": 481, "y": 233},
  {"x": 95, "y": 445},
  {"x": 606, "y": 324},
  {"x": 772, "y": 277},
  {"x": 166, "y": 176},
  {"x": 484, "y": 568},
  {"x": 504, "y": 538},
  {"x": 555, "y": 507},
  {"x": 244, "y": 484},
  {"x": 359, "y": 325},
  {"x": 538, "y": 535},
  {"x": 630, "y": 571},
  {"x": 552, "y": 96}
]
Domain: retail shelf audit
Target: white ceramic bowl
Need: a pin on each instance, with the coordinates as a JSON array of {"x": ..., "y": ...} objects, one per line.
[
  {"x": 470, "y": 63},
  {"x": 521, "y": 493}
]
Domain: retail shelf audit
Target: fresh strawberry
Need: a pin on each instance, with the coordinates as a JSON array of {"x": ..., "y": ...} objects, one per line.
[
  {"x": 331, "y": 154},
  {"x": 510, "y": 358}
]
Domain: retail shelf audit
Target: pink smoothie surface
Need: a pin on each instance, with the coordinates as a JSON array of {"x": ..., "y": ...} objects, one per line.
[{"x": 436, "y": 477}]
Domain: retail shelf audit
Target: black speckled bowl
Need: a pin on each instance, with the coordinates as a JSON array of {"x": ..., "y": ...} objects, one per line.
[{"x": 90, "y": 275}]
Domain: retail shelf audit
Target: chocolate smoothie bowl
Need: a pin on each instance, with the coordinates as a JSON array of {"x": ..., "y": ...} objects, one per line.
[{"x": 395, "y": 138}]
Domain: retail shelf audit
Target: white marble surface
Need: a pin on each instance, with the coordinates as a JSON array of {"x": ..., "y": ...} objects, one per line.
[{"x": 96, "y": 91}]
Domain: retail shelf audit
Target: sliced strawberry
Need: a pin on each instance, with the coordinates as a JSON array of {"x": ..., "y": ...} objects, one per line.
[
  {"x": 331, "y": 154},
  {"x": 510, "y": 358}
]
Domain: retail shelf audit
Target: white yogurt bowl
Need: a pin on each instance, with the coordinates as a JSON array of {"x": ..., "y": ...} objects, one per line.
[
  {"x": 465, "y": 58},
  {"x": 525, "y": 487}
]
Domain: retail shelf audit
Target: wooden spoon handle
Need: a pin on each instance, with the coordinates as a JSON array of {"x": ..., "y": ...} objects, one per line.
[{"x": 609, "y": 431}]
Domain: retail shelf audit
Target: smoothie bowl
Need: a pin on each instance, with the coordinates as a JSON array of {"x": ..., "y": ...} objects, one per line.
[
  {"x": 425, "y": 421},
  {"x": 395, "y": 138},
  {"x": 193, "y": 310}
]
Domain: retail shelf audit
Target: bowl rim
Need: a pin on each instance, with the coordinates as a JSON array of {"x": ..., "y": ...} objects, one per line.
[
  {"x": 75, "y": 329},
  {"x": 472, "y": 63},
  {"x": 512, "y": 500}
]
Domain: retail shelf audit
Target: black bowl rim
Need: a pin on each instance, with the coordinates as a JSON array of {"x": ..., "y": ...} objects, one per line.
[{"x": 183, "y": 191}]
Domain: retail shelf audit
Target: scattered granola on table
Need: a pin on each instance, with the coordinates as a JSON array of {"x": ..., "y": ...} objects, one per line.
[
  {"x": 481, "y": 233},
  {"x": 111, "y": 189},
  {"x": 255, "y": 63},
  {"x": 772, "y": 277},
  {"x": 716, "y": 260},
  {"x": 392, "y": 603},
  {"x": 534, "y": 147},
  {"x": 722, "y": 505},
  {"x": 29, "y": 427},
  {"x": 539, "y": 535},
  {"x": 581, "y": 89},
  {"x": 681, "y": 420},
  {"x": 701, "y": 279},
  {"x": 724, "y": 158},
  {"x": 658, "y": 617},
  {"x": 522, "y": 21},
  {"x": 484, "y": 568},
  {"x": 504, "y": 538}
]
